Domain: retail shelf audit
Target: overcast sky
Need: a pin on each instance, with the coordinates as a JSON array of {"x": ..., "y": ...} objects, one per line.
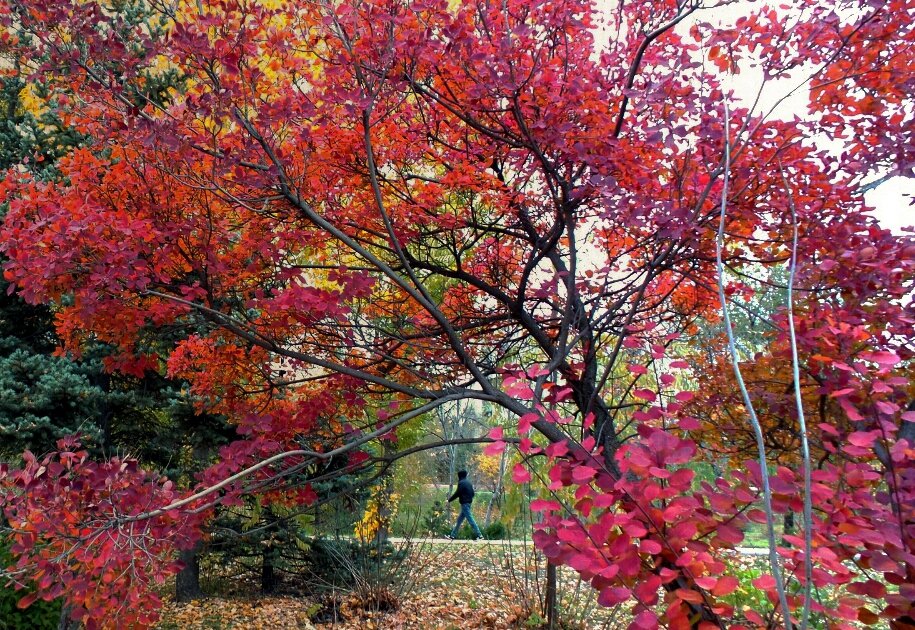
[{"x": 892, "y": 200}]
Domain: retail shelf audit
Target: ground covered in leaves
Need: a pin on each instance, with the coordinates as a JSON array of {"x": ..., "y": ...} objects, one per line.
[
  {"x": 491, "y": 585},
  {"x": 439, "y": 586}
]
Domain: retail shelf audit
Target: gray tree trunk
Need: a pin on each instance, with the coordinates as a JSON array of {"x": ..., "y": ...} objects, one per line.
[
  {"x": 269, "y": 580},
  {"x": 65, "y": 623},
  {"x": 187, "y": 582},
  {"x": 550, "y": 596}
]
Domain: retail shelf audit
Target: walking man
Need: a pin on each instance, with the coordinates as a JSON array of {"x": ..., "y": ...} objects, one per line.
[{"x": 464, "y": 495}]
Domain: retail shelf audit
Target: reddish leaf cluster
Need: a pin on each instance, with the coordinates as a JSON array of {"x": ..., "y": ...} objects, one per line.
[{"x": 74, "y": 530}]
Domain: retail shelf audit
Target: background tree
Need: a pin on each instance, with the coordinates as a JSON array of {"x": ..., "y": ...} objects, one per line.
[{"x": 46, "y": 395}]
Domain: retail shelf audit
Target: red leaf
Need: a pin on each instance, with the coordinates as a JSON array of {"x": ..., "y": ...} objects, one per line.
[
  {"x": 27, "y": 601},
  {"x": 870, "y": 588},
  {"x": 645, "y": 394},
  {"x": 725, "y": 586},
  {"x": 688, "y": 596},
  {"x": 520, "y": 474},
  {"x": 888, "y": 359},
  {"x": 707, "y": 582},
  {"x": 583, "y": 474},
  {"x": 645, "y": 620},
  {"x": 613, "y": 596},
  {"x": 764, "y": 582}
]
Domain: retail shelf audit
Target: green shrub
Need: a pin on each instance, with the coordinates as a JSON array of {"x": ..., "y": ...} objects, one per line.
[
  {"x": 481, "y": 498},
  {"x": 344, "y": 564},
  {"x": 747, "y": 596},
  {"x": 39, "y": 616},
  {"x": 435, "y": 520},
  {"x": 495, "y": 531}
]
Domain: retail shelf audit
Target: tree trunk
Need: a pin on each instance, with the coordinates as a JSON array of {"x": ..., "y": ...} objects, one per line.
[
  {"x": 385, "y": 501},
  {"x": 187, "y": 582},
  {"x": 787, "y": 527},
  {"x": 65, "y": 622},
  {"x": 452, "y": 457},
  {"x": 268, "y": 571},
  {"x": 552, "y": 621}
]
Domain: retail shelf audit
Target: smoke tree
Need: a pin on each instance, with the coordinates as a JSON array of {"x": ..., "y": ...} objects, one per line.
[{"x": 354, "y": 213}]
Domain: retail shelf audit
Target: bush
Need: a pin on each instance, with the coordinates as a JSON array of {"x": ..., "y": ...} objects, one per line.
[
  {"x": 435, "y": 520},
  {"x": 495, "y": 531},
  {"x": 353, "y": 566},
  {"x": 481, "y": 498},
  {"x": 39, "y": 616}
]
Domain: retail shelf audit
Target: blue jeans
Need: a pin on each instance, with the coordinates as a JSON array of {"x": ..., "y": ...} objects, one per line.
[{"x": 465, "y": 514}]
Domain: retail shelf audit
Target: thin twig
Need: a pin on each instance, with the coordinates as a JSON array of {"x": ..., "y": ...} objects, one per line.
[
  {"x": 293, "y": 453},
  {"x": 802, "y": 423},
  {"x": 748, "y": 403}
]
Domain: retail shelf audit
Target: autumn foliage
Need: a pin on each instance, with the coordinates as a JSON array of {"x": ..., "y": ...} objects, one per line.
[{"x": 335, "y": 217}]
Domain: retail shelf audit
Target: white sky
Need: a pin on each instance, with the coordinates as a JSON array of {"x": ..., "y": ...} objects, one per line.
[{"x": 892, "y": 200}]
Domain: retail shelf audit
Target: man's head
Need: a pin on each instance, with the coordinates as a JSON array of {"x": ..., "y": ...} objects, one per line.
[{"x": 462, "y": 474}]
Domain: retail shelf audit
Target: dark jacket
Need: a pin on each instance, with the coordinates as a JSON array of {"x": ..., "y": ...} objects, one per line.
[{"x": 464, "y": 492}]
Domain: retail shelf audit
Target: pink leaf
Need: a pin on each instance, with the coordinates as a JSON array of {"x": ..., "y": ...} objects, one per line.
[
  {"x": 525, "y": 421},
  {"x": 650, "y": 546},
  {"x": 850, "y": 410},
  {"x": 888, "y": 359},
  {"x": 520, "y": 474},
  {"x": 583, "y": 474},
  {"x": 764, "y": 582},
  {"x": 862, "y": 438},
  {"x": 613, "y": 596},
  {"x": 543, "y": 505},
  {"x": 645, "y": 394},
  {"x": 645, "y": 620}
]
